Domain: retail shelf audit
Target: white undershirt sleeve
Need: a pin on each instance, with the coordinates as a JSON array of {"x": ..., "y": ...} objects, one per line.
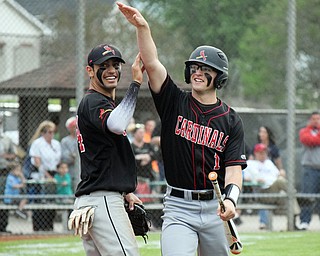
[{"x": 120, "y": 117}]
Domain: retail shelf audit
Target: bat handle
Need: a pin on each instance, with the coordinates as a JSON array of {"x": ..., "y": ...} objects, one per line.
[
  {"x": 218, "y": 193},
  {"x": 213, "y": 177}
]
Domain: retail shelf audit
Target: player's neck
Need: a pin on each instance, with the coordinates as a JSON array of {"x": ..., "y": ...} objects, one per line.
[
  {"x": 206, "y": 99},
  {"x": 111, "y": 93}
]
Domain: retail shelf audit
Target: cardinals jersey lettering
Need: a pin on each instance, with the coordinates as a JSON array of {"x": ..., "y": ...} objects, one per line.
[{"x": 200, "y": 134}]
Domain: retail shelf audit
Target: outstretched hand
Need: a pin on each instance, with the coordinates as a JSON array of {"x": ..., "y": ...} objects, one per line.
[
  {"x": 137, "y": 70},
  {"x": 132, "y": 15}
]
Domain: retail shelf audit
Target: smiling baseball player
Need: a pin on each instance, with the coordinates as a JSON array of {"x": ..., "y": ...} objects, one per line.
[
  {"x": 199, "y": 134},
  {"x": 108, "y": 171}
]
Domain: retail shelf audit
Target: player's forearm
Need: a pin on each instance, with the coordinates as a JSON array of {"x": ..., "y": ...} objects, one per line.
[
  {"x": 234, "y": 176},
  {"x": 146, "y": 46},
  {"x": 155, "y": 70},
  {"x": 120, "y": 117}
]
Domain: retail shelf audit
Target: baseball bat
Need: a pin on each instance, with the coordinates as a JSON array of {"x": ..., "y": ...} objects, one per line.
[{"x": 230, "y": 228}]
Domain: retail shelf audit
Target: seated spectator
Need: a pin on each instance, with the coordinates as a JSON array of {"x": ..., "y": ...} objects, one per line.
[
  {"x": 45, "y": 151},
  {"x": 63, "y": 179},
  {"x": 45, "y": 154},
  {"x": 14, "y": 184},
  {"x": 266, "y": 137},
  {"x": 7, "y": 154},
  {"x": 263, "y": 171}
]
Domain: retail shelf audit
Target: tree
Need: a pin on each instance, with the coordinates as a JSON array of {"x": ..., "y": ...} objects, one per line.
[
  {"x": 181, "y": 25},
  {"x": 262, "y": 60},
  {"x": 308, "y": 54}
]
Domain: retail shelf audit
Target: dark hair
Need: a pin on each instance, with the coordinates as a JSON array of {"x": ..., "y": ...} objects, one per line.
[
  {"x": 270, "y": 134},
  {"x": 61, "y": 163}
]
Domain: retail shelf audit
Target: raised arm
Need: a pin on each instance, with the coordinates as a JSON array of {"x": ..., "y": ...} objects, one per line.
[
  {"x": 127, "y": 106},
  {"x": 155, "y": 70}
]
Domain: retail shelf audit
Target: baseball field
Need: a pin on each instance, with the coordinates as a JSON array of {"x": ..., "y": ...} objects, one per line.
[{"x": 255, "y": 244}]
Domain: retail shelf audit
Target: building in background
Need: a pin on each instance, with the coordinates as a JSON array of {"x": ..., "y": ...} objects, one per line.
[{"x": 19, "y": 40}]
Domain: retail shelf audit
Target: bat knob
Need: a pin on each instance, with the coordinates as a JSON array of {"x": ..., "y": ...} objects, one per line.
[
  {"x": 236, "y": 248},
  {"x": 212, "y": 176}
]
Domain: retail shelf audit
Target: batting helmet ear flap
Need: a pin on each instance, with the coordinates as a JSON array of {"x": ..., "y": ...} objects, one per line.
[
  {"x": 187, "y": 74},
  {"x": 220, "y": 80}
]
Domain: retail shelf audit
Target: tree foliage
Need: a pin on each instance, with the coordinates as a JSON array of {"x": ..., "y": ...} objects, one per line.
[
  {"x": 263, "y": 53},
  {"x": 262, "y": 60},
  {"x": 308, "y": 54},
  {"x": 253, "y": 34}
]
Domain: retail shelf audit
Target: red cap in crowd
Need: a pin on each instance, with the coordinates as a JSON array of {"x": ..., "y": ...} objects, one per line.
[{"x": 259, "y": 147}]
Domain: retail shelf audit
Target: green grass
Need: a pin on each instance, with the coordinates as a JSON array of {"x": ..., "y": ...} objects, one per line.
[{"x": 255, "y": 244}]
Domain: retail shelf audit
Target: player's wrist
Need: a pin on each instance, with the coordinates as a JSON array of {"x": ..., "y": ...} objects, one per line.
[
  {"x": 135, "y": 83},
  {"x": 232, "y": 193}
]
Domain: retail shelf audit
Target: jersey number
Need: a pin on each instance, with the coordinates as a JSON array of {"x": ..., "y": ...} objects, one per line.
[
  {"x": 216, "y": 162},
  {"x": 80, "y": 139}
]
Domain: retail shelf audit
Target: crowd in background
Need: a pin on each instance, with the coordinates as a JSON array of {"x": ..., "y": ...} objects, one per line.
[
  {"x": 47, "y": 167},
  {"x": 53, "y": 160},
  {"x": 265, "y": 169}
]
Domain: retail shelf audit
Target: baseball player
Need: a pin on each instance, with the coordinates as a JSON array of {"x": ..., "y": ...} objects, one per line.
[
  {"x": 199, "y": 134},
  {"x": 108, "y": 171}
]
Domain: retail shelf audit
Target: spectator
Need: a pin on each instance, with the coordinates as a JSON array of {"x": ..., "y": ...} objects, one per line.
[
  {"x": 45, "y": 152},
  {"x": 14, "y": 184},
  {"x": 266, "y": 136},
  {"x": 63, "y": 181},
  {"x": 7, "y": 154},
  {"x": 263, "y": 171},
  {"x": 130, "y": 129},
  {"x": 69, "y": 150},
  {"x": 149, "y": 126},
  {"x": 29, "y": 170},
  {"x": 144, "y": 154},
  {"x": 155, "y": 141},
  {"x": 310, "y": 161},
  {"x": 7, "y": 151}
]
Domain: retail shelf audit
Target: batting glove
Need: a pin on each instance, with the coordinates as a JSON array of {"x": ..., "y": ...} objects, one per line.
[{"x": 81, "y": 220}]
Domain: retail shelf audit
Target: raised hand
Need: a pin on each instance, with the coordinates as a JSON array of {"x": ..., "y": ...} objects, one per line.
[
  {"x": 137, "y": 70},
  {"x": 132, "y": 15}
]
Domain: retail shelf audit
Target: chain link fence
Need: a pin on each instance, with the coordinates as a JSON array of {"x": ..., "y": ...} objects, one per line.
[{"x": 43, "y": 48}]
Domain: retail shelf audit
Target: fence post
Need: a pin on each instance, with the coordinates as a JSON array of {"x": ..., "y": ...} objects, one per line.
[{"x": 291, "y": 85}]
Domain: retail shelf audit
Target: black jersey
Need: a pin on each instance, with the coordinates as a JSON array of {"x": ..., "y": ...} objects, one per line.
[
  {"x": 107, "y": 159},
  {"x": 197, "y": 139}
]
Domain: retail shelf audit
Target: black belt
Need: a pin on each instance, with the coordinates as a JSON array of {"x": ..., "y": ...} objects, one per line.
[{"x": 203, "y": 196}]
